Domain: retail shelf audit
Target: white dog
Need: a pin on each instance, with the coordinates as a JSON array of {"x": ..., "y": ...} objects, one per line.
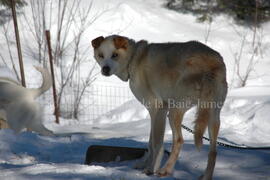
[{"x": 18, "y": 107}]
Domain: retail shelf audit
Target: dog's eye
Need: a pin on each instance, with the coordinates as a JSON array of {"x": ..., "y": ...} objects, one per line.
[
  {"x": 101, "y": 55},
  {"x": 114, "y": 55}
]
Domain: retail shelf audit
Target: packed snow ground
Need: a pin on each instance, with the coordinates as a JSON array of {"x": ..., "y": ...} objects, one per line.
[{"x": 245, "y": 116}]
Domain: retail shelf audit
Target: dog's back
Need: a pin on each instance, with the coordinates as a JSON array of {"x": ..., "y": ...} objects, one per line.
[
  {"x": 187, "y": 68},
  {"x": 9, "y": 80},
  {"x": 12, "y": 89}
]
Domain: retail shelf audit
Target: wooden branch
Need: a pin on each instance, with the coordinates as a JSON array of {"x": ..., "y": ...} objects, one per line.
[
  {"x": 56, "y": 107},
  {"x": 18, "y": 42}
]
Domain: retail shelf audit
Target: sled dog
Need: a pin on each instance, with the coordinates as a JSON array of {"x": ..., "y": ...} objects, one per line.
[
  {"x": 169, "y": 79},
  {"x": 18, "y": 107}
]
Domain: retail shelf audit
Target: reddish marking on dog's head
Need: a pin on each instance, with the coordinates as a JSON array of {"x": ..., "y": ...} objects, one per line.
[
  {"x": 96, "y": 42},
  {"x": 120, "y": 42}
]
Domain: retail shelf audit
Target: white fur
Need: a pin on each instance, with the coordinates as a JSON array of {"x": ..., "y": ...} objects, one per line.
[{"x": 18, "y": 107}]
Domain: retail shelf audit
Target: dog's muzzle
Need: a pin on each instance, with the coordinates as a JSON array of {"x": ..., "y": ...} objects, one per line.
[{"x": 106, "y": 70}]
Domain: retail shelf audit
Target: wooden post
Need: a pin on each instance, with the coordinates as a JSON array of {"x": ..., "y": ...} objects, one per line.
[
  {"x": 56, "y": 107},
  {"x": 18, "y": 42}
]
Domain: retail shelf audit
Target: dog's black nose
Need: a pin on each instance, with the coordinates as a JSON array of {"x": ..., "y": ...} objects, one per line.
[{"x": 106, "y": 70}]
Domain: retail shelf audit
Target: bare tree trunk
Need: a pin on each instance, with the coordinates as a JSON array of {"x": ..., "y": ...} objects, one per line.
[
  {"x": 56, "y": 107},
  {"x": 18, "y": 42}
]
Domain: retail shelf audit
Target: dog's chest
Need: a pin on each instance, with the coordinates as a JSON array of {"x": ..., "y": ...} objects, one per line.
[{"x": 139, "y": 89}]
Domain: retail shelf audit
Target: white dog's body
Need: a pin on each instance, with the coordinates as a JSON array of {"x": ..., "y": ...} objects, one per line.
[
  {"x": 18, "y": 107},
  {"x": 162, "y": 75}
]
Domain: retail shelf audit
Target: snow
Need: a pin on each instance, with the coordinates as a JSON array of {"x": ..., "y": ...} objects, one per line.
[
  {"x": 244, "y": 118},
  {"x": 6, "y": 72},
  {"x": 32, "y": 156}
]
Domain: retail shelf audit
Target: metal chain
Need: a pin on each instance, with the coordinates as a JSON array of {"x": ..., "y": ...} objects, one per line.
[{"x": 228, "y": 145}]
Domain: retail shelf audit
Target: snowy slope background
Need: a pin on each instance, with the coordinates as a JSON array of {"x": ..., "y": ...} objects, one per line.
[{"x": 245, "y": 116}]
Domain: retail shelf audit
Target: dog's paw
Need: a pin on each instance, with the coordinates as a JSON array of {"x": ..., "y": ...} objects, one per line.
[
  {"x": 163, "y": 172},
  {"x": 148, "y": 171},
  {"x": 143, "y": 162},
  {"x": 140, "y": 164}
]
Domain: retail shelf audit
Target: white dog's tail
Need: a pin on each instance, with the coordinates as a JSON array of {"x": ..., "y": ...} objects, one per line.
[{"x": 46, "y": 84}]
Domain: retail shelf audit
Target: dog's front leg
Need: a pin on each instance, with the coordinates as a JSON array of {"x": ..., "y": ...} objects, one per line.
[
  {"x": 147, "y": 159},
  {"x": 155, "y": 154}
]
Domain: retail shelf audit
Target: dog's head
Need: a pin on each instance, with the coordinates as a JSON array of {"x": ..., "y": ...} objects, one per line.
[{"x": 113, "y": 54}]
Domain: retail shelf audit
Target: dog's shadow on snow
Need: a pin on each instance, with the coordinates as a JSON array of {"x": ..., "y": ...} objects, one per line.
[{"x": 191, "y": 164}]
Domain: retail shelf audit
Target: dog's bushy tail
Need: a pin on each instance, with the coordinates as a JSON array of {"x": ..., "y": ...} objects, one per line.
[
  {"x": 211, "y": 101},
  {"x": 46, "y": 84},
  {"x": 207, "y": 96}
]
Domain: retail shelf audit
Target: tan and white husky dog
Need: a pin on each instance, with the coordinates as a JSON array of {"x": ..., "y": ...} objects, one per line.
[
  {"x": 18, "y": 107},
  {"x": 169, "y": 78}
]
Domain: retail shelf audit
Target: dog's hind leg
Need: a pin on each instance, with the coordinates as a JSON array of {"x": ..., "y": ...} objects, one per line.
[
  {"x": 35, "y": 118},
  {"x": 36, "y": 125},
  {"x": 41, "y": 129},
  {"x": 214, "y": 105},
  {"x": 213, "y": 129},
  {"x": 26, "y": 115},
  {"x": 175, "y": 119}
]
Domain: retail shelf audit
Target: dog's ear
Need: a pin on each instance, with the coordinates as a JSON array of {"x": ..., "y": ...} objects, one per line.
[
  {"x": 96, "y": 42},
  {"x": 120, "y": 42}
]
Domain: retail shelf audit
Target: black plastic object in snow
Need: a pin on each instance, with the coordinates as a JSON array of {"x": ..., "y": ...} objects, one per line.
[{"x": 99, "y": 154}]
